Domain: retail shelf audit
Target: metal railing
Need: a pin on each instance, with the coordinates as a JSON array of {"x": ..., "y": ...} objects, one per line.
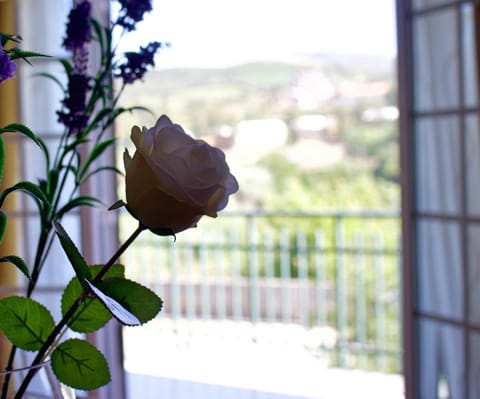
[{"x": 336, "y": 274}]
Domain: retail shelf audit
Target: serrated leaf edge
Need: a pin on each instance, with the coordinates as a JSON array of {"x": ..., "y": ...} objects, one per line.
[{"x": 52, "y": 364}]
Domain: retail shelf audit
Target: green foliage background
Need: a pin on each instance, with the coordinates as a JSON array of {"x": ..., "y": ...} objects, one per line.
[{"x": 203, "y": 100}]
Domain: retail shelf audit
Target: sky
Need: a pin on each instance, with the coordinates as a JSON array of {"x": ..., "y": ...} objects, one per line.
[{"x": 217, "y": 33}]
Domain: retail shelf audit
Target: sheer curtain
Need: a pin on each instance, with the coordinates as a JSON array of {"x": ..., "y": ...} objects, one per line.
[
  {"x": 442, "y": 152},
  {"x": 41, "y": 23}
]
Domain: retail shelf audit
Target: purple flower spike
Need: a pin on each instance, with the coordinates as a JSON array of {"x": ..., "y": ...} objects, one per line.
[
  {"x": 132, "y": 12},
  {"x": 136, "y": 63},
  {"x": 7, "y": 66},
  {"x": 73, "y": 115},
  {"x": 79, "y": 29}
]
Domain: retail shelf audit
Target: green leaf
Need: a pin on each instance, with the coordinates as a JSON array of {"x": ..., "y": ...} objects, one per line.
[
  {"x": 74, "y": 144},
  {"x": 52, "y": 77},
  {"x": 2, "y": 158},
  {"x": 101, "y": 169},
  {"x": 98, "y": 150},
  {"x": 119, "y": 111},
  {"x": 117, "y": 309},
  {"x": 29, "y": 188},
  {"x": 16, "y": 52},
  {"x": 76, "y": 259},
  {"x": 25, "y": 322},
  {"x": 80, "y": 365},
  {"x": 66, "y": 65},
  {"x": 99, "y": 34},
  {"x": 5, "y": 38},
  {"x": 83, "y": 200},
  {"x": 52, "y": 182},
  {"x": 17, "y": 261},
  {"x": 104, "y": 112},
  {"x": 97, "y": 92},
  {"x": 136, "y": 299},
  {"x": 91, "y": 314},
  {"x": 116, "y": 205},
  {"x": 22, "y": 129},
  {"x": 3, "y": 225}
]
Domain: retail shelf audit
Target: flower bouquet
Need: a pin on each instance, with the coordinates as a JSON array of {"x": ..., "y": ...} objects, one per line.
[{"x": 171, "y": 180}]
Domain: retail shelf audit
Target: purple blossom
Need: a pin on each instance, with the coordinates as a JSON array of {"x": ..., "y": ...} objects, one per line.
[
  {"x": 80, "y": 60},
  {"x": 73, "y": 114},
  {"x": 7, "y": 66},
  {"x": 79, "y": 28},
  {"x": 78, "y": 34},
  {"x": 132, "y": 12},
  {"x": 136, "y": 64}
]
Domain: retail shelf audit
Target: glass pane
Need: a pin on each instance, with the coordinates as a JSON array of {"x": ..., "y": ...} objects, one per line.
[
  {"x": 435, "y": 62},
  {"x": 441, "y": 365},
  {"x": 420, "y": 4},
  {"x": 472, "y": 159},
  {"x": 474, "y": 366},
  {"x": 437, "y": 164},
  {"x": 38, "y": 109},
  {"x": 474, "y": 273},
  {"x": 34, "y": 13},
  {"x": 440, "y": 288},
  {"x": 470, "y": 59}
]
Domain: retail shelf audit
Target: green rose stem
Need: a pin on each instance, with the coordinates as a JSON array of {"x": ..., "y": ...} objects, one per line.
[{"x": 58, "y": 328}]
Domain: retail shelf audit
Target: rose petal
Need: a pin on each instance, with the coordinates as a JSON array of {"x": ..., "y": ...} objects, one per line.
[
  {"x": 173, "y": 179},
  {"x": 231, "y": 184},
  {"x": 137, "y": 137},
  {"x": 156, "y": 209},
  {"x": 162, "y": 122},
  {"x": 169, "y": 139},
  {"x": 126, "y": 159}
]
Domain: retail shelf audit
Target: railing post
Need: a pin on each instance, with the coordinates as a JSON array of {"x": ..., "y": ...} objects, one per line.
[
  {"x": 174, "y": 288},
  {"x": 321, "y": 306},
  {"x": 253, "y": 268},
  {"x": 360, "y": 302},
  {"x": 339, "y": 267},
  {"x": 303, "y": 283},
  {"x": 190, "y": 287},
  {"x": 285, "y": 276},
  {"x": 221, "y": 308},
  {"x": 237, "y": 279},
  {"x": 270, "y": 289},
  {"x": 204, "y": 280},
  {"x": 151, "y": 268},
  {"x": 340, "y": 290}
]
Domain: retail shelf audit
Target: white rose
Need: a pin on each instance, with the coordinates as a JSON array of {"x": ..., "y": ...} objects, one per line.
[{"x": 173, "y": 180}]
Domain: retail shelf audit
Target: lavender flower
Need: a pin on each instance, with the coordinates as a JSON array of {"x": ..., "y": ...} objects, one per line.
[
  {"x": 136, "y": 63},
  {"x": 132, "y": 12},
  {"x": 73, "y": 115},
  {"x": 79, "y": 33},
  {"x": 7, "y": 66},
  {"x": 79, "y": 29}
]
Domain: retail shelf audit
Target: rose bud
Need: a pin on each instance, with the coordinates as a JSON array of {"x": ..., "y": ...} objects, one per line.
[{"x": 172, "y": 180}]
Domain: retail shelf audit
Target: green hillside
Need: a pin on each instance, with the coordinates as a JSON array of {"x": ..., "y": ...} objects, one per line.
[{"x": 203, "y": 100}]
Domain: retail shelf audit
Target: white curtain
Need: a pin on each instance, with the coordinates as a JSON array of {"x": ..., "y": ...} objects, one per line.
[
  {"x": 41, "y": 23},
  {"x": 438, "y": 174}
]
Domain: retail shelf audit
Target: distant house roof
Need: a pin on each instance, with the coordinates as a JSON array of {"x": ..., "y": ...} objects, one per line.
[
  {"x": 262, "y": 132},
  {"x": 364, "y": 89},
  {"x": 313, "y": 123},
  {"x": 257, "y": 138}
]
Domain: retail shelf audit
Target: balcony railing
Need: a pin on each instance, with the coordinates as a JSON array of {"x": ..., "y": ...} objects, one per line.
[{"x": 335, "y": 275}]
